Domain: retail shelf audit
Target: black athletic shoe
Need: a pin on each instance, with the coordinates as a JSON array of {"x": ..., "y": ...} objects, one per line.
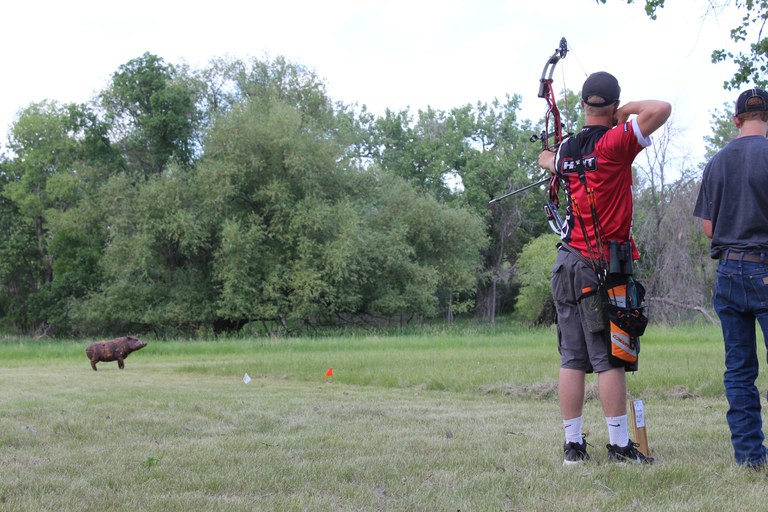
[
  {"x": 575, "y": 453},
  {"x": 629, "y": 453}
]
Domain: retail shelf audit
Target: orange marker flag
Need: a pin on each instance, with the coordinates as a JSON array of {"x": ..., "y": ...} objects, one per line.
[{"x": 329, "y": 373}]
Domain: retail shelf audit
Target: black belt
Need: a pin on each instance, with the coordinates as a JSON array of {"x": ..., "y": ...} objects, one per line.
[{"x": 745, "y": 256}]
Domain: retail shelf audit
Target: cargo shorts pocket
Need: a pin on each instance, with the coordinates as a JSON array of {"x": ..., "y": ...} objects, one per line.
[
  {"x": 591, "y": 308},
  {"x": 559, "y": 291}
]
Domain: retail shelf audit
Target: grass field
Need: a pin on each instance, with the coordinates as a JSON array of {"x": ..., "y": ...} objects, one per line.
[{"x": 461, "y": 419}]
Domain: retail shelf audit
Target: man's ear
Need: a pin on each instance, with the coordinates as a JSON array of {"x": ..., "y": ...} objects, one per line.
[{"x": 736, "y": 121}]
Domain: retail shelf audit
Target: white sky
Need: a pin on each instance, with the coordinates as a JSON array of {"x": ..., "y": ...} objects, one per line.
[{"x": 382, "y": 53}]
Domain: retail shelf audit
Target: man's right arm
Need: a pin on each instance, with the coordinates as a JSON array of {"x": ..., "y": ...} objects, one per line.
[
  {"x": 651, "y": 114},
  {"x": 702, "y": 208}
]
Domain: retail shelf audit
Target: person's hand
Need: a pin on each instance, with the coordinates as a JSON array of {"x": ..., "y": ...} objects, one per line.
[
  {"x": 547, "y": 160},
  {"x": 621, "y": 115}
]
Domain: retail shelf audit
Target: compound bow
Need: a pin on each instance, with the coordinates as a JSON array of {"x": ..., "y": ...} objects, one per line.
[{"x": 550, "y": 140}]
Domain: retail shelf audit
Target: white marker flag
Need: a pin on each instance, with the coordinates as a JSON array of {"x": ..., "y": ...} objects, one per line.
[{"x": 246, "y": 378}]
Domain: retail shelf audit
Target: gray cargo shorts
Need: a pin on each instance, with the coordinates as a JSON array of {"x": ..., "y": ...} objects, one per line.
[{"x": 580, "y": 349}]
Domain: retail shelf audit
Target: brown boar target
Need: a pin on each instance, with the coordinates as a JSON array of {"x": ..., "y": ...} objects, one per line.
[{"x": 113, "y": 350}]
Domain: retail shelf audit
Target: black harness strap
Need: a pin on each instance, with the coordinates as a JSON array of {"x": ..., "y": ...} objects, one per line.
[{"x": 574, "y": 145}]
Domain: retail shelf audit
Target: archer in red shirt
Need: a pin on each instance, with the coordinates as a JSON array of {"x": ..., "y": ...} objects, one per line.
[{"x": 596, "y": 169}]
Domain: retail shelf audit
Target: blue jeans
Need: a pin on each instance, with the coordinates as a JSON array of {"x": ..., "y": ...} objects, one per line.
[{"x": 741, "y": 297}]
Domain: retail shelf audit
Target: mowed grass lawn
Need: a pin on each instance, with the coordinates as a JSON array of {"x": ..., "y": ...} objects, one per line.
[{"x": 461, "y": 419}]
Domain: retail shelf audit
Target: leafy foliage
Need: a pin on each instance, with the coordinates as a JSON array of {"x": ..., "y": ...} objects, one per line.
[
  {"x": 152, "y": 111},
  {"x": 533, "y": 272},
  {"x": 752, "y": 65},
  {"x": 278, "y": 221},
  {"x": 198, "y": 201},
  {"x": 53, "y": 236},
  {"x": 723, "y": 129},
  {"x": 650, "y": 6}
]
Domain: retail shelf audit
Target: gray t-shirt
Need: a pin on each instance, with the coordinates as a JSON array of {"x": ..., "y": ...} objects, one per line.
[{"x": 734, "y": 196}]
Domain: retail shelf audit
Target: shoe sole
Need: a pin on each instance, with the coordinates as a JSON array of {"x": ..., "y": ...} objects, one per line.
[{"x": 626, "y": 460}]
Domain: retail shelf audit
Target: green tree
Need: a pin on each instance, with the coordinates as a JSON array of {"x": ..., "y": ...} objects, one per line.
[
  {"x": 18, "y": 260},
  {"x": 466, "y": 156},
  {"x": 52, "y": 237},
  {"x": 425, "y": 255},
  {"x": 313, "y": 230},
  {"x": 670, "y": 239},
  {"x": 242, "y": 193},
  {"x": 155, "y": 265},
  {"x": 152, "y": 108},
  {"x": 533, "y": 272},
  {"x": 511, "y": 163},
  {"x": 723, "y": 130},
  {"x": 281, "y": 196}
]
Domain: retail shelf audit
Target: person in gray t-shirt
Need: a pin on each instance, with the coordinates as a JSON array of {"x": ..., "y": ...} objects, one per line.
[{"x": 733, "y": 206}]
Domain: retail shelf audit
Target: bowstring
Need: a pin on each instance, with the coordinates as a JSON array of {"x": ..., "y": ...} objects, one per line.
[
  {"x": 565, "y": 94},
  {"x": 574, "y": 54}
]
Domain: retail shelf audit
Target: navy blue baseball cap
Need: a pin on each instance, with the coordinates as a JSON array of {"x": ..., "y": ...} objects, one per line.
[{"x": 753, "y": 100}]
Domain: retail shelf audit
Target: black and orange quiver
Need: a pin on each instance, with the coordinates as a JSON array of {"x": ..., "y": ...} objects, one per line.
[{"x": 626, "y": 319}]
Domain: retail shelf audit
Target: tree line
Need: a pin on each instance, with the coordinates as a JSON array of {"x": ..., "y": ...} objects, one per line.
[{"x": 241, "y": 196}]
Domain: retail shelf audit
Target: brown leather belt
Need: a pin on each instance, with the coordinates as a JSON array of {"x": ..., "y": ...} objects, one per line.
[{"x": 745, "y": 256}]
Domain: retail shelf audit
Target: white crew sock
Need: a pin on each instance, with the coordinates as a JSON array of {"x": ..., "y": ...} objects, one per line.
[
  {"x": 573, "y": 430},
  {"x": 617, "y": 430}
]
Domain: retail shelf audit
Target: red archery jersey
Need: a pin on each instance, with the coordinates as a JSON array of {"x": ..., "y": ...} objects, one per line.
[{"x": 607, "y": 155}]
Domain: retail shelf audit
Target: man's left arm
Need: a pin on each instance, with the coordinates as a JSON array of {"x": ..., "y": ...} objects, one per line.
[{"x": 547, "y": 160}]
